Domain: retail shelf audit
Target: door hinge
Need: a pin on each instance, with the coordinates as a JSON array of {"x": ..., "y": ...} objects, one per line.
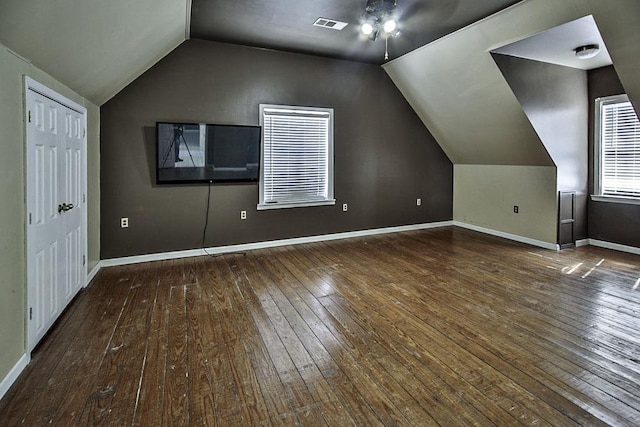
[
  {"x": 84, "y": 133},
  {"x": 84, "y": 260},
  {"x": 29, "y": 116},
  {"x": 30, "y": 313},
  {"x": 84, "y": 198},
  {"x": 30, "y": 218}
]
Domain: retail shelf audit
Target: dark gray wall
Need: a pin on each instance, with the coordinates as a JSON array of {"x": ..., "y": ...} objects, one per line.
[
  {"x": 555, "y": 99},
  {"x": 610, "y": 222},
  {"x": 384, "y": 156}
]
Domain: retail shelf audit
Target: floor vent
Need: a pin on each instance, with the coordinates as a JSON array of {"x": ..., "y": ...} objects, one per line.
[{"x": 330, "y": 23}]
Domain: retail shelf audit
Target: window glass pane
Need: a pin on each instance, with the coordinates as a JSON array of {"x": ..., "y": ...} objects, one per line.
[{"x": 297, "y": 155}]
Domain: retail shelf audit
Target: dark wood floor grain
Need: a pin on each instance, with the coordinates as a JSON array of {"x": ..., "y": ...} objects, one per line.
[{"x": 437, "y": 327}]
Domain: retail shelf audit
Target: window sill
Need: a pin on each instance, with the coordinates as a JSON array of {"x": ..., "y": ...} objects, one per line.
[
  {"x": 614, "y": 199},
  {"x": 285, "y": 205}
]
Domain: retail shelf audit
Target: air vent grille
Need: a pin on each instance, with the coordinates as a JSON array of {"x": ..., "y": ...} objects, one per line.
[{"x": 330, "y": 23}]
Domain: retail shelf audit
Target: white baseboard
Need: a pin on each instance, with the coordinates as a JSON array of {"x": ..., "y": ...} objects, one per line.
[
  {"x": 13, "y": 374},
  {"x": 582, "y": 242},
  {"x": 615, "y": 246},
  {"x": 93, "y": 272},
  {"x": 514, "y": 237},
  {"x": 346, "y": 235},
  {"x": 269, "y": 244}
]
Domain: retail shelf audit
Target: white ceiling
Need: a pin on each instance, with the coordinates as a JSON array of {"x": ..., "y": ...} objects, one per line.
[
  {"x": 94, "y": 47},
  {"x": 557, "y": 45}
]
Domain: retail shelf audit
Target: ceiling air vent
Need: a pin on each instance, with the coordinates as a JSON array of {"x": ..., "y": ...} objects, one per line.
[{"x": 330, "y": 23}]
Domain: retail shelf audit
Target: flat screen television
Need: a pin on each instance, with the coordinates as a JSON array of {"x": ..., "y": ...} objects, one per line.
[{"x": 206, "y": 153}]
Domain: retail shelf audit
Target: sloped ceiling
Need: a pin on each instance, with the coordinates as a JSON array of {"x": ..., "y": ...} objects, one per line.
[
  {"x": 287, "y": 24},
  {"x": 459, "y": 93},
  {"x": 96, "y": 47}
]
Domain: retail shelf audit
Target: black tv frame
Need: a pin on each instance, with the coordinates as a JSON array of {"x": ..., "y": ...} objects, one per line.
[{"x": 204, "y": 174}]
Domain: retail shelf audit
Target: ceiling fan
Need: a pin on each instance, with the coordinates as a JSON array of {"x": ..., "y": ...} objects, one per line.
[{"x": 380, "y": 19}]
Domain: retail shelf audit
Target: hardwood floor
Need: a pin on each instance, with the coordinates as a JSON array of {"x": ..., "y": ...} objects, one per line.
[{"x": 436, "y": 327}]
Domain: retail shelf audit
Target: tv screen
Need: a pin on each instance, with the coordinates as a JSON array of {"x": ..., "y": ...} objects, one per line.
[{"x": 198, "y": 152}]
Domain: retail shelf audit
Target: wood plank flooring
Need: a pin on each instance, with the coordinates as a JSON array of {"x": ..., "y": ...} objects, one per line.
[{"x": 440, "y": 327}]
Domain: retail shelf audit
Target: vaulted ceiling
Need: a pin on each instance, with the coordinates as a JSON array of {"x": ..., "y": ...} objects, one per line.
[
  {"x": 446, "y": 71},
  {"x": 98, "y": 47}
]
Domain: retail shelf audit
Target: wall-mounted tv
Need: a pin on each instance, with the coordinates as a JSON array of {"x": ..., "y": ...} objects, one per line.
[{"x": 205, "y": 153}]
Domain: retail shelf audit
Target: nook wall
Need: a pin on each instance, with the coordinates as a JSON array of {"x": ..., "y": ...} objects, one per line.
[
  {"x": 555, "y": 100},
  {"x": 484, "y": 196}
]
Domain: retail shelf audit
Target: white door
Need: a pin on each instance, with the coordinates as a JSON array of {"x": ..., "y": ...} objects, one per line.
[{"x": 56, "y": 208}]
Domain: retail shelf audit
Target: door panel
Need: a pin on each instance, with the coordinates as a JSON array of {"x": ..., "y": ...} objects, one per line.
[
  {"x": 52, "y": 277},
  {"x": 56, "y": 225},
  {"x": 38, "y": 291}
]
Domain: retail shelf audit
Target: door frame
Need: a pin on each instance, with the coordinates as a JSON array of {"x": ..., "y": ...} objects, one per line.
[{"x": 35, "y": 86}]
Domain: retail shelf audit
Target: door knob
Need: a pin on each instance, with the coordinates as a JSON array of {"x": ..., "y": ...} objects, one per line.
[{"x": 65, "y": 207}]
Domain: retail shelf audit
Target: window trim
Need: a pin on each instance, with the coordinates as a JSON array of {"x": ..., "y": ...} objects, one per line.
[
  {"x": 615, "y": 199},
  {"x": 597, "y": 151},
  {"x": 330, "y": 200}
]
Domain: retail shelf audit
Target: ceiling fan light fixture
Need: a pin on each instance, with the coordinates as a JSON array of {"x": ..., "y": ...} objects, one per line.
[
  {"x": 380, "y": 20},
  {"x": 389, "y": 26},
  {"x": 587, "y": 51},
  {"x": 366, "y": 28}
]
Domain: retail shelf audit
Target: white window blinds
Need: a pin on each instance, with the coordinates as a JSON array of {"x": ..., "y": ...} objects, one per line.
[
  {"x": 619, "y": 148},
  {"x": 297, "y": 154}
]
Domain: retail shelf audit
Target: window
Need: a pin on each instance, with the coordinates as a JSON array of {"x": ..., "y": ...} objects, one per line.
[
  {"x": 297, "y": 156},
  {"x": 617, "y": 149}
]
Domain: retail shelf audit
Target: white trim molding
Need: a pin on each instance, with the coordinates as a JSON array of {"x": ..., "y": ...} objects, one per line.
[
  {"x": 187, "y": 26},
  {"x": 13, "y": 374},
  {"x": 614, "y": 199},
  {"x": 615, "y": 246},
  {"x": 268, "y": 244},
  {"x": 93, "y": 273},
  {"x": 50, "y": 93},
  {"x": 346, "y": 235},
  {"x": 582, "y": 242},
  {"x": 514, "y": 237}
]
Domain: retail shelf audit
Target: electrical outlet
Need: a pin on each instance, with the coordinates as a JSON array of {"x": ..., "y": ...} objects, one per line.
[
  {"x": 243, "y": 214},
  {"x": 344, "y": 207},
  {"x": 124, "y": 222},
  {"x": 515, "y": 209},
  {"x": 418, "y": 202}
]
